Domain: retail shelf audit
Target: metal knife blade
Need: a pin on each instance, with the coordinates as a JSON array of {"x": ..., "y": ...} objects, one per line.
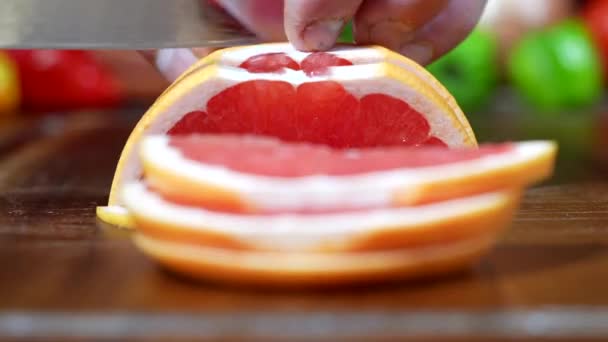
[{"x": 116, "y": 24}]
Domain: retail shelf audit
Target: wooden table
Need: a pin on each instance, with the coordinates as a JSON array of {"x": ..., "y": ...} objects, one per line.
[{"x": 64, "y": 276}]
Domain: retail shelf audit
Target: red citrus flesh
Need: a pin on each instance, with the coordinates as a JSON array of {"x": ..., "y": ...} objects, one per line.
[
  {"x": 320, "y": 112},
  {"x": 222, "y": 208},
  {"x": 318, "y": 63},
  {"x": 271, "y": 157},
  {"x": 269, "y": 62}
]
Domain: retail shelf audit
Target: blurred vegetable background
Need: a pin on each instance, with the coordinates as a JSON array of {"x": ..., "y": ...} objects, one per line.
[
  {"x": 10, "y": 92},
  {"x": 551, "y": 53},
  {"x": 51, "y": 81}
]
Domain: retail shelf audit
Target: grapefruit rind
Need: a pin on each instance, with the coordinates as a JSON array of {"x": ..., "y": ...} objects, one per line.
[
  {"x": 313, "y": 269},
  {"x": 175, "y": 176},
  {"x": 117, "y": 216},
  {"x": 174, "y": 102},
  {"x": 379, "y": 229}
]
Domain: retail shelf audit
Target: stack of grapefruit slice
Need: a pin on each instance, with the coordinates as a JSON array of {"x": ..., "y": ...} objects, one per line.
[{"x": 263, "y": 164}]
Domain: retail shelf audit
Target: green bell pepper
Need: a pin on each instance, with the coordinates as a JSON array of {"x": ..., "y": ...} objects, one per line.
[
  {"x": 558, "y": 68},
  {"x": 470, "y": 71},
  {"x": 346, "y": 36}
]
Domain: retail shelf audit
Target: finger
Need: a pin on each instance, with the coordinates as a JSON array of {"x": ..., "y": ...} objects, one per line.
[
  {"x": 314, "y": 25},
  {"x": 262, "y": 17},
  {"x": 173, "y": 62},
  {"x": 392, "y": 23},
  {"x": 445, "y": 31}
]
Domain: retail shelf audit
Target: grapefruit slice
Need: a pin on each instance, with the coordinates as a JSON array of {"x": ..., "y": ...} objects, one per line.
[
  {"x": 355, "y": 231},
  {"x": 313, "y": 269},
  {"x": 265, "y": 175},
  {"x": 350, "y": 97}
]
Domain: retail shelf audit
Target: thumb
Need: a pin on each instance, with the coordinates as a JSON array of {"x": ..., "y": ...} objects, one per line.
[
  {"x": 262, "y": 17},
  {"x": 314, "y": 25},
  {"x": 171, "y": 63}
]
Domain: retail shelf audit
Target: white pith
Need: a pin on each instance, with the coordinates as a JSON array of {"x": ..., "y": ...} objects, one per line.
[
  {"x": 302, "y": 232},
  {"x": 311, "y": 263},
  {"x": 372, "y": 189}
]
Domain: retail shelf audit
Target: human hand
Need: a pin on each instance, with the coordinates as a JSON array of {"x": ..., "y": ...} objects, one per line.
[{"x": 422, "y": 30}]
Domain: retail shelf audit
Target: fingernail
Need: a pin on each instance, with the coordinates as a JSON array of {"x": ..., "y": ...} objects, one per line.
[
  {"x": 173, "y": 62},
  {"x": 391, "y": 34},
  {"x": 419, "y": 52},
  {"x": 322, "y": 35}
]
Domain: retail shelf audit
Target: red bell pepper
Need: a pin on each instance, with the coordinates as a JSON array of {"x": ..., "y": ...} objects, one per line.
[
  {"x": 596, "y": 17},
  {"x": 53, "y": 80}
]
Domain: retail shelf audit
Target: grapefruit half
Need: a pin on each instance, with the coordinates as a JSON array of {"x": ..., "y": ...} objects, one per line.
[{"x": 351, "y": 97}]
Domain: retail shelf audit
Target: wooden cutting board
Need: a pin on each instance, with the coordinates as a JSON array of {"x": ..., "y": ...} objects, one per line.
[{"x": 65, "y": 276}]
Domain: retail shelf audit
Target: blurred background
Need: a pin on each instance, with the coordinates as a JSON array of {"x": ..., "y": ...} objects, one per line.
[{"x": 531, "y": 70}]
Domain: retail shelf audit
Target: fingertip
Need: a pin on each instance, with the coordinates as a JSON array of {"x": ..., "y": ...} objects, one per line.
[
  {"x": 173, "y": 62},
  {"x": 264, "y": 18},
  {"x": 390, "y": 23},
  {"x": 390, "y": 34},
  {"x": 445, "y": 31},
  {"x": 316, "y": 25},
  {"x": 420, "y": 30},
  {"x": 320, "y": 35},
  {"x": 421, "y": 52}
]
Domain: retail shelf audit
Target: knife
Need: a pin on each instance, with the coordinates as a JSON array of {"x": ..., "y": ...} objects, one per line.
[{"x": 117, "y": 24}]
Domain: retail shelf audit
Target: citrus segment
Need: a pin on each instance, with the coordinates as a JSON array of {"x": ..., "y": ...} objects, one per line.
[
  {"x": 194, "y": 122},
  {"x": 274, "y": 158},
  {"x": 325, "y": 113},
  {"x": 255, "y": 174},
  {"x": 269, "y": 62},
  {"x": 318, "y": 63},
  {"x": 390, "y": 121},
  {"x": 252, "y": 107},
  {"x": 433, "y": 141}
]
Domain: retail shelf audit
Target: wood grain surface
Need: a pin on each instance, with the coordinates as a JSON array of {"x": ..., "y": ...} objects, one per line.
[{"x": 65, "y": 276}]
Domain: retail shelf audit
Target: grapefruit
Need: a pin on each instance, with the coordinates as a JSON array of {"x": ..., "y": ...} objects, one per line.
[
  {"x": 267, "y": 165},
  {"x": 335, "y": 232},
  {"x": 274, "y": 176},
  {"x": 313, "y": 269},
  {"x": 351, "y": 97}
]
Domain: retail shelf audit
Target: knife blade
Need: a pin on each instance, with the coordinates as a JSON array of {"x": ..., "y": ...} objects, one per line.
[{"x": 117, "y": 24}]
